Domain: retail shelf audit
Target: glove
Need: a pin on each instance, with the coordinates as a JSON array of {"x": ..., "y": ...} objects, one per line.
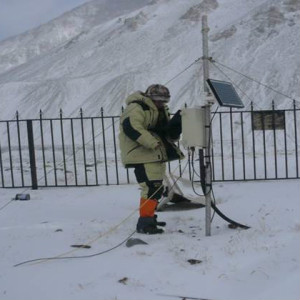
[{"x": 174, "y": 127}]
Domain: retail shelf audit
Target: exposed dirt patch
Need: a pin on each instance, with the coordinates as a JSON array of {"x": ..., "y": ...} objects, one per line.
[
  {"x": 194, "y": 13},
  {"x": 225, "y": 34},
  {"x": 136, "y": 21}
]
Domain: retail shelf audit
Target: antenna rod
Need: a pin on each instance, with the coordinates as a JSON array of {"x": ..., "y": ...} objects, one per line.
[{"x": 205, "y": 30}]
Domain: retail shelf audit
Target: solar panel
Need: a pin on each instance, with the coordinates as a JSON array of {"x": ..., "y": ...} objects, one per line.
[{"x": 225, "y": 93}]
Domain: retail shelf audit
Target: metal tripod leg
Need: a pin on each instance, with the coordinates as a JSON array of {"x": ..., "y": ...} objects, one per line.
[{"x": 173, "y": 188}]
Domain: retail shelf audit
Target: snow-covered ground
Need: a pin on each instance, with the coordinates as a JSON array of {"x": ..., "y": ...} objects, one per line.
[
  {"x": 259, "y": 263},
  {"x": 92, "y": 58}
]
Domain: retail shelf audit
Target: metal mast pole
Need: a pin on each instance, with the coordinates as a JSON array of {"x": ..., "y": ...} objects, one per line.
[
  {"x": 208, "y": 103},
  {"x": 205, "y": 30}
]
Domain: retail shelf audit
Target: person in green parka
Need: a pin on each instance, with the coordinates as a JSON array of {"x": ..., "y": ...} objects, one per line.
[{"x": 147, "y": 136}]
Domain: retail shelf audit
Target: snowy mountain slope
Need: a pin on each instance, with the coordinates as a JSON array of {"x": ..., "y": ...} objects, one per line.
[
  {"x": 66, "y": 28},
  {"x": 99, "y": 65}
]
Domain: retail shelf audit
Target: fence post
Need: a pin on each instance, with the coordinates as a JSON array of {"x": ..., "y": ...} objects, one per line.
[
  {"x": 274, "y": 138},
  {"x": 83, "y": 147},
  {"x": 127, "y": 172},
  {"x": 296, "y": 139},
  {"x": 20, "y": 148},
  {"x": 104, "y": 146},
  {"x": 253, "y": 140},
  {"x": 32, "y": 155}
]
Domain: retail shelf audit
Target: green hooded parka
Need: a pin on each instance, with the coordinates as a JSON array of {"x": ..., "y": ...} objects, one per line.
[{"x": 144, "y": 134}]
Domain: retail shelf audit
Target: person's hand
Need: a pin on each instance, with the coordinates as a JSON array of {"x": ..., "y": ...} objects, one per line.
[
  {"x": 157, "y": 146},
  {"x": 177, "y": 112}
]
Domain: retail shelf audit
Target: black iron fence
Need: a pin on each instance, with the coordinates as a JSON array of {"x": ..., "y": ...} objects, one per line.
[{"x": 84, "y": 151}]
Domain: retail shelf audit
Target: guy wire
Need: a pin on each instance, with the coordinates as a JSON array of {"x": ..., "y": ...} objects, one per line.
[
  {"x": 253, "y": 79},
  {"x": 61, "y": 256},
  {"x": 90, "y": 140}
]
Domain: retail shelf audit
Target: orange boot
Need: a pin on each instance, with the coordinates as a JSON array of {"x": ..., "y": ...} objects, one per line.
[
  {"x": 147, "y": 207},
  {"x": 147, "y": 221}
]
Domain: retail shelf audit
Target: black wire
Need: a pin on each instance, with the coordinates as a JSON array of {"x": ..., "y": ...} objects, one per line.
[
  {"x": 213, "y": 204},
  {"x": 71, "y": 257},
  {"x": 209, "y": 138},
  {"x": 193, "y": 150},
  {"x": 228, "y": 219},
  {"x": 193, "y": 173},
  {"x": 218, "y": 211},
  {"x": 193, "y": 166},
  {"x": 85, "y": 256},
  {"x": 193, "y": 187}
]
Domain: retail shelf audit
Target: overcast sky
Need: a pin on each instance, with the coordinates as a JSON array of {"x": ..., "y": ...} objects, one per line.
[{"x": 17, "y": 16}]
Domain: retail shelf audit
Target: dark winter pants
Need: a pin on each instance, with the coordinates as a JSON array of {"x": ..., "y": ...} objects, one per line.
[{"x": 150, "y": 177}]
